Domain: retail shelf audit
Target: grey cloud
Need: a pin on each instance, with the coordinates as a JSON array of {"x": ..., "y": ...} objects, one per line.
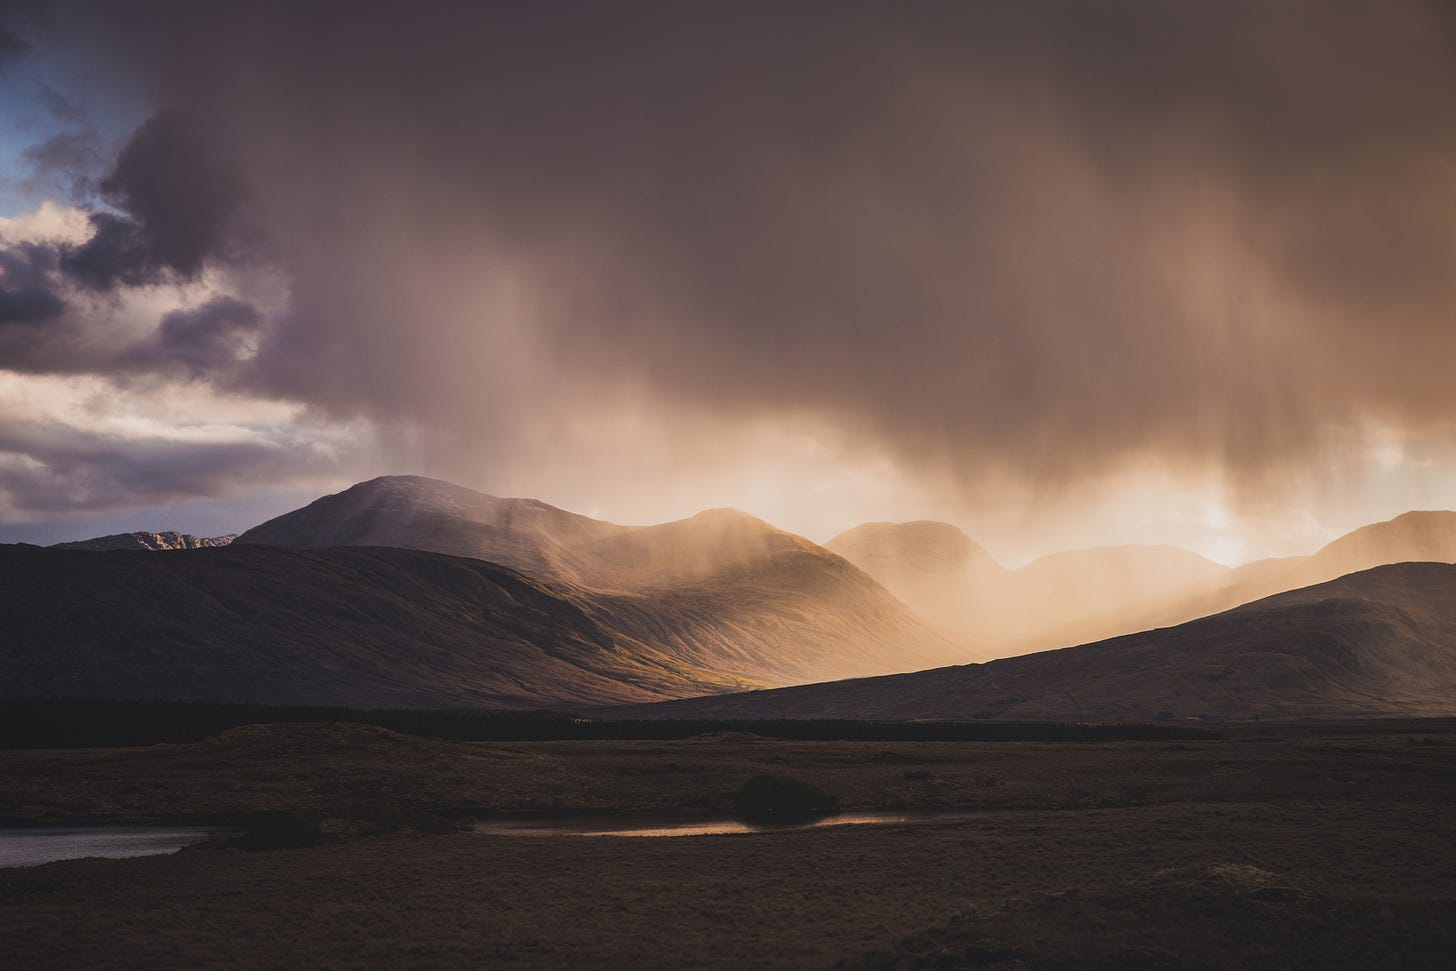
[
  {"x": 176, "y": 201},
  {"x": 41, "y": 333},
  {"x": 68, "y": 159},
  {"x": 1032, "y": 237},
  {"x": 49, "y": 469},
  {"x": 63, "y": 108},
  {"x": 26, "y": 289},
  {"x": 115, "y": 254},
  {"x": 204, "y": 340},
  {"x": 12, "y": 48}
]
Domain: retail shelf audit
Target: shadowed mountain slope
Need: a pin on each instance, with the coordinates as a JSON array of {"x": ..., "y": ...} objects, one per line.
[
  {"x": 361, "y": 626},
  {"x": 721, "y": 591},
  {"x": 147, "y": 541},
  {"x": 1373, "y": 644}
]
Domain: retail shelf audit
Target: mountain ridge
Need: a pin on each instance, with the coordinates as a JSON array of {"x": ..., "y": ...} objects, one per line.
[
  {"x": 1105, "y": 591},
  {"x": 1379, "y": 643},
  {"x": 354, "y": 626},
  {"x": 722, "y": 589},
  {"x": 166, "y": 540}
]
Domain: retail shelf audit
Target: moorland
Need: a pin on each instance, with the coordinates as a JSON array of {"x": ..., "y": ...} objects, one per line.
[{"x": 1297, "y": 844}]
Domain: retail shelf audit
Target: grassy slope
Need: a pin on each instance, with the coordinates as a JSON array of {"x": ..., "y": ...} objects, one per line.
[
  {"x": 353, "y": 626},
  {"x": 1378, "y": 643}
]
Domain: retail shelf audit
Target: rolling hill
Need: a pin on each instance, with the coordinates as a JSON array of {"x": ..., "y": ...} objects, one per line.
[
  {"x": 1379, "y": 643},
  {"x": 357, "y": 626},
  {"x": 720, "y": 591}
]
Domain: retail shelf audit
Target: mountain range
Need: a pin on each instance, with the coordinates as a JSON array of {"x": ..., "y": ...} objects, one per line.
[
  {"x": 721, "y": 591},
  {"x": 1379, "y": 643},
  {"x": 346, "y": 626},
  {"x": 152, "y": 542},
  {"x": 1084, "y": 595},
  {"x": 410, "y": 591}
]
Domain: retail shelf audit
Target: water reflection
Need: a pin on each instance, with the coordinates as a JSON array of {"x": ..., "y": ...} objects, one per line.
[
  {"x": 32, "y": 847},
  {"x": 649, "y": 826}
]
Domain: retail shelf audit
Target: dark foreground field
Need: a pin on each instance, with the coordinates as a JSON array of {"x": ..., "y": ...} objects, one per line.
[{"x": 1305, "y": 846}]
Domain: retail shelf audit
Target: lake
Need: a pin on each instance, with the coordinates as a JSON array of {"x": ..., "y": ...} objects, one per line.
[
  {"x": 624, "y": 825},
  {"x": 32, "y": 847}
]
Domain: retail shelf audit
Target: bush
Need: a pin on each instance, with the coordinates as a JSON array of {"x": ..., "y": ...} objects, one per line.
[
  {"x": 780, "y": 797},
  {"x": 290, "y": 831}
]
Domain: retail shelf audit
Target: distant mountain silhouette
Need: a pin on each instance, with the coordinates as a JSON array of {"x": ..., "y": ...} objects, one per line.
[
  {"x": 1084, "y": 595},
  {"x": 147, "y": 541},
  {"x": 360, "y": 626},
  {"x": 933, "y": 567},
  {"x": 1378, "y": 643},
  {"x": 1422, "y": 536},
  {"x": 721, "y": 591}
]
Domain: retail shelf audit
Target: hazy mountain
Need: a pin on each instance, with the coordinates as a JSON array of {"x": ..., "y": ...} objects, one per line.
[
  {"x": 1377, "y": 643},
  {"x": 1064, "y": 598},
  {"x": 933, "y": 567},
  {"x": 1412, "y": 537},
  {"x": 147, "y": 541},
  {"x": 1083, "y": 595},
  {"x": 1426, "y": 536},
  {"x": 720, "y": 590},
  {"x": 365, "y": 626},
  {"x": 1094, "y": 578}
]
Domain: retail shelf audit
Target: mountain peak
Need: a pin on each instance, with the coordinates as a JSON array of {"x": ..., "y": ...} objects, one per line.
[
  {"x": 922, "y": 544},
  {"x": 721, "y": 590},
  {"x": 1422, "y": 534},
  {"x": 724, "y": 514}
]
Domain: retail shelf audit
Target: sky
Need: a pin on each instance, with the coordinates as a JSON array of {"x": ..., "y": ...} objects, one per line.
[{"x": 1062, "y": 273}]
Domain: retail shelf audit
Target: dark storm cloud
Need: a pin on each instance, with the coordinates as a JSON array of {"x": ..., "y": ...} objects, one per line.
[
  {"x": 68, "y": 158},
  {"x": 11, "y": 48},
  {"x": 26, "y": 295},
  {"x": 69, "y": 470},
  {"x": 176, "y": 201},
  {"x": 213, "y": 342},
  {"x": 205, "y": 340},
  {"x": 1032, "y": 236}
]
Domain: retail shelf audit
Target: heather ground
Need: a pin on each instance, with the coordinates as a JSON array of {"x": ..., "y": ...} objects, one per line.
[{"x": 1296, "y": 846}]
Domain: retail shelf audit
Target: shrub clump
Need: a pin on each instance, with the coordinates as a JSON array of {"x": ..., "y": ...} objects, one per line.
[
  {"x": 781, "y": 797},
  {"x": 290, "y": 831}
]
